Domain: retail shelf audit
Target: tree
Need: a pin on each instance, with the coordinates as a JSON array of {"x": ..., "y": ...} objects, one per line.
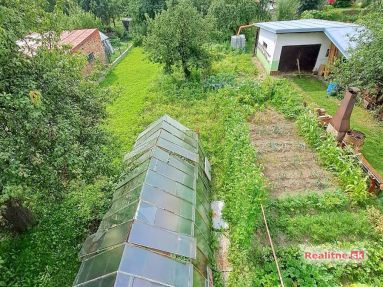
[
  {"x": 176, "y": 37},
  {"x": 364, "y": 68},
  {"x": 230, "y": 14},
  {"x": 309, "y": 5},
  {"x": 107, "y": 10},
  {"x": 50, "y": 117},
  {"x": 286, "y": 9}
]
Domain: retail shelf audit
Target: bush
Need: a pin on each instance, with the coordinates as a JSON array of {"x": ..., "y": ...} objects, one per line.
[
  {"x": 309, "y": 5},
  {"x": 230, "y": 14},
  {"x": 343, "y": 3},
  {"x": 286, "y": 9}
]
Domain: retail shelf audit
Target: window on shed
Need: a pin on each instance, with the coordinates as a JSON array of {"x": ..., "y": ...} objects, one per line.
[
  {"x": 264, "y": 44},
  {"x": 91, "y": 57}
]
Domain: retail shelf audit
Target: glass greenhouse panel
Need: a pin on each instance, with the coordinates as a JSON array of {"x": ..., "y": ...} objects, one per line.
[
  {"x": 123, "y": 215},
  {"x": 201, "y": 263},
  {"x": 198, "y": 279},
  {"x": 102, "y": 240},
  {"x": 172, "y": 173},
  {"x": 124, "y": 200},
  {"x": 167, "y": 201},
  {"x": 167, "y": 241},
  {"x": 171, "y": 186},
  {"x": 162, "y": 269},
  {"x": 106, "y": 281},
  {"x": 153, "y": 215},
  {"x": 174, "y": 144},
  {"x": 134, "y": 172},
  {"x": 175, "y": 161},
  {"x": 127, "y": 185},
  {"x": 99, "y": 265},
  {"x": 125, "y": 280},
  {"x": 139, "y": 150}
]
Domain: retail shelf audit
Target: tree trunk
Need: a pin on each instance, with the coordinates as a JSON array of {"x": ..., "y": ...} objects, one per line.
[
  {"x": 18, "y": 217},
  {"x": 185, "y": 69}
]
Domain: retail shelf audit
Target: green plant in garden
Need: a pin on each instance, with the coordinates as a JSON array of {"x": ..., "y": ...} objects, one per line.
[
  {"x": 364, "y": 68},
  {"x": 309, "y": 5},
  {"x": 176, "y": 38},
  {"x": 286, "y": 10},
  {"x": 230, "y": 14},
  {"x": 343, "y": 3}
]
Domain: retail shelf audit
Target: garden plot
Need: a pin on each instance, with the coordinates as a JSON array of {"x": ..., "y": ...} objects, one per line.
[{"x": 289, "y": 163}]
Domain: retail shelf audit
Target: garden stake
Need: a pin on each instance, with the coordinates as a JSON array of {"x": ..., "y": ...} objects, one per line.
[{"x": 272, "y": 247}]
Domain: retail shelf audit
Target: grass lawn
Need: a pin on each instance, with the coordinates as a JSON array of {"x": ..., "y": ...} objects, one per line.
[
  {"x": 130, "y": 79},
  {"x": 314, "y": 92}
]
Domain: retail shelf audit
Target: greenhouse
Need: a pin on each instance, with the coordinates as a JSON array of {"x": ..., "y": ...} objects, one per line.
[{"x": 157, "y": 230}]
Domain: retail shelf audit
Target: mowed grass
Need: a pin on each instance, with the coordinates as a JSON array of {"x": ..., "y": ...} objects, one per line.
[
  {"x": 130, "y": 79},
  {"x": 314, "y": 93}
]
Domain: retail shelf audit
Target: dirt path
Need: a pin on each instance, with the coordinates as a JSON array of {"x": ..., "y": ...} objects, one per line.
[{"x": 289, "y": 164}]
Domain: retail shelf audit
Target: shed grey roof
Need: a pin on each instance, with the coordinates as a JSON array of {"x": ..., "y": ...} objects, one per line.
[
  {"x": 339, "y": 33},
  {"x": 301, "y": 26}
]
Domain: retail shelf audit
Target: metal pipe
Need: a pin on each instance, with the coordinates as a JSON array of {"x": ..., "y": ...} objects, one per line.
[{"x": 244, "y": 26}]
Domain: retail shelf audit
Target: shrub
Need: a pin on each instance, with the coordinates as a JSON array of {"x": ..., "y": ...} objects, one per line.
[
  {"x": 342, "y": 3},
  {"x": 309, "y": 5},
  {"x": 286, "y": 9}
]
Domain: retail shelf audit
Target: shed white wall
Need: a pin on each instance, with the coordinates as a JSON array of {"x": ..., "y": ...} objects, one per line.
[
  {"x": 265, "y": 54},
  {"x": 289, "y": 39}
]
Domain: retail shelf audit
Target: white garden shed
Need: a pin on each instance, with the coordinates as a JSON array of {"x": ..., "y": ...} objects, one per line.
[{"x": 305, "y": 45}]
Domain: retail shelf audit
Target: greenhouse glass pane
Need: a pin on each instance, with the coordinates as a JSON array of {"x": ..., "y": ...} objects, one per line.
[
  {"x": 124, "y": 280},
  {"x": 152, "y": 215},
  {"x": 100, "y": 264},
  {"x": 201, "y": 263},
  {"x": 173, "y": 160},
  {"x": 202, "y": 242},
  {"x": 167, "y": 201},
  {"x": 171, "y": 186},
  {"x": 175, "y": 140},
  {"x": 149, "y": 138},
  {"x": 174, "y": 148},
  {"x": 201, "y": 224},
  {"x": 107, "y": 281},
  {"x": 124, "y": 200},
  {"x": 198, "y": 279},
  {"x": 146, "y": 147},
  {"x": 128, "y": 185},
  {"x": 101, "y": 240},
  {"x": 162, "y": 269},
  {"x": 167, "y": 241},
  {"x": 121, "y": 216},
  {"x": 171, "y": 172},
  {"x": 136, "y": 171},
  {"x": 148, "y": 133}
]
